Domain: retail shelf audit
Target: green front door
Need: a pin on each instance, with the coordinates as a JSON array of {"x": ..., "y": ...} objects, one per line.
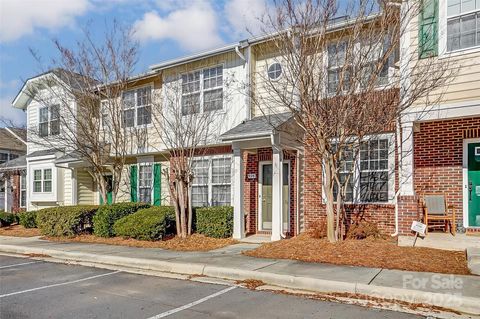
[
  {"x": 474, "y": 184},
  {"x": 109, "y": 180}
]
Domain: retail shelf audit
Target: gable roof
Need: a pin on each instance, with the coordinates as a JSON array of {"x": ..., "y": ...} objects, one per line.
[
  {"x": 9, "y": 141},
  {"x": 260, "y": 126}
]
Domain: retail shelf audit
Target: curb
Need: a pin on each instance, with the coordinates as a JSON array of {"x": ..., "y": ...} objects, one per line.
[{"x": 469, "y": 305}]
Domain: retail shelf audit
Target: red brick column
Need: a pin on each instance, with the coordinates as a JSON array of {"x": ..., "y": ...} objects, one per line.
[{"x": 409, "y": 210}]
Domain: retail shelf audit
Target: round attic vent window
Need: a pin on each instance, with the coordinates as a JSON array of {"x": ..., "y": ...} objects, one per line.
[{"x": 274, "y": 71}]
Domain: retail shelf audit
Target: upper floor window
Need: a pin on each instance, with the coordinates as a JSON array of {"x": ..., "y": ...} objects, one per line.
[
  {"x": 42, "y": 180},
  {"x": 49, "y": 120},
  {"x": 137, "y": 107},
  {"x": 463, "y": 24},
  {"x": 274, "y": 71},
  {"x": 338, "y": 73},
  {"x": 202, "y": 90}
]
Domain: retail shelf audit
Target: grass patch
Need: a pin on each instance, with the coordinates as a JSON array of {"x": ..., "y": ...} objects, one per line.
[
  {"x": 195, "y": 242},
  {"x": 377, "y": 253}
]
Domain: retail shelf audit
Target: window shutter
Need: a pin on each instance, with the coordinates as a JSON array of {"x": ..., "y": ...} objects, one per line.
[
  {"x": 157, "y": 184},
  {"x": 428, "y": 29},
  {"x": 133, "y": 183}
]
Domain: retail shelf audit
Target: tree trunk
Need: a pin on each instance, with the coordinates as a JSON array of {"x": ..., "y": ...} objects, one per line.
[
  {"x": 181, "y": 201},
  {"x": 177, "y": 208},
  {"x": 328, "y": 188},
  {"x": 190, "y": 210}
]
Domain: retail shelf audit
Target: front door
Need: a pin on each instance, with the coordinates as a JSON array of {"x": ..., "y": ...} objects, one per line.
[
  {"x": 473, "y": 184},
  {"x": 109, "y": 180},
  {"x": 266, "y": 180}
]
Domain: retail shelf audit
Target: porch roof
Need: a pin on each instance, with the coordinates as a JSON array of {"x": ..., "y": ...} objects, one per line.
[
  {"x": 17, "y": 163},
  {"x": 260, "y": 126}
]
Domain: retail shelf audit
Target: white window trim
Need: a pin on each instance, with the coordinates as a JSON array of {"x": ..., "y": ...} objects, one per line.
[
  {"x": 442, "y": 33},
  {"x": 281, "y": 71},
  {"x": 144, "y": 161},
  {"x": 135, "y": 108},
  {"x": 23, "y": 190},
  {"x": 42, "y": 180},
  {"x": 210, "y": 183},
  {"x": 202, "y": 91},
  {"x": 391, "y": 173},
  {"x": 49, "y": 115}
]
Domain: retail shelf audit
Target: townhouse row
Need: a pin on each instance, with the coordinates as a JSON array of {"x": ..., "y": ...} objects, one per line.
[{"x": 273, "y": 183}]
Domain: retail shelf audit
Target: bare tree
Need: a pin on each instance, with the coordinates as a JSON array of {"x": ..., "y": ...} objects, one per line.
[
  {"x": 186, "y": 124},
  {"x": 83, "y": 112},
  {"x": 343, "y": 82}
]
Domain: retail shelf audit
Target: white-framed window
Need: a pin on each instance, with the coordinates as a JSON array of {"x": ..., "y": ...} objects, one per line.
[
  {"x": 49, "y": 120},
  {"x": 202, "y": 90},
  {"x": 336, "y": 67},
  {"x": 274, "y": 71},
  {"x": 463, "y": 24},
  {"x": 145, "y": 182},
  {"x": 23, "y": 189},
  {"x": 137, "y": 107},
  {"x": 42, "y": 180},
  {"x": 211, "y": 183},
  {"x": 371, "y": 175}
]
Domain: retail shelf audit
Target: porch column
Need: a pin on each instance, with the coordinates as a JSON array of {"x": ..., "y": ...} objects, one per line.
[
  {"x": 277, "y": 192},
  {"x": 238, "y": 212},
  {"x": 406, "y": 160}
]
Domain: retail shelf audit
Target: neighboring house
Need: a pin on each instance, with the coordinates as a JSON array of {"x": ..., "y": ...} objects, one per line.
[
  {"x": 442, "y": 146},
  {"x": 13, "y": 146}
]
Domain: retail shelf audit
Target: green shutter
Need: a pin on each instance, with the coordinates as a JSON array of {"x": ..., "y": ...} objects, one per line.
[
  {"x": 133, "y": 183},
  {"x": 157, "y": 184},
  {"x": 428, "y": 29}
]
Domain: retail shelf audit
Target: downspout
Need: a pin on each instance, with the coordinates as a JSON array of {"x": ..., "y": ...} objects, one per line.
[
  {"x": 247, "y": 59},
  {"x": 397, "y": 193}
]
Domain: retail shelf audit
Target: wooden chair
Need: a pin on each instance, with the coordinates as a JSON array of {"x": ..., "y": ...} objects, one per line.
[{"x": 436, "y": 209}]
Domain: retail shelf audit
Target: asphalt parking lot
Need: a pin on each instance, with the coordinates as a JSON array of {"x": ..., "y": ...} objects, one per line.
[{"x": 37, "y": 289}]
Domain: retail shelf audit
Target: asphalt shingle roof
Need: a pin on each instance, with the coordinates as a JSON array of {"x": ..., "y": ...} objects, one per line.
[
  {"x": 18, "y": 162},
  {"x": 258, "y": 126},
  {"x": 8, "y": 141}
]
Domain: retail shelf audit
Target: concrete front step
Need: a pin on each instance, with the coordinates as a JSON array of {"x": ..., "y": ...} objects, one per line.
[{"x": 473, "y": 259}]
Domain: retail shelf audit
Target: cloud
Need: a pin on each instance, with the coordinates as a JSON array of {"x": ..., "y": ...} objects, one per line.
[
  {"x": 244, "y": 16},
  {"x": 9, "y": 114},
  {"x": 193, "y": 25},
  {"x": 19, "y": 18}
]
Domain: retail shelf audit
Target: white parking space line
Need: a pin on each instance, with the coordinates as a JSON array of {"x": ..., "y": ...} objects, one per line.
[
  {"x": 60, "y": 284},
  {"x": 22, "y": 264},
  {"x": 192, "y": 304}
]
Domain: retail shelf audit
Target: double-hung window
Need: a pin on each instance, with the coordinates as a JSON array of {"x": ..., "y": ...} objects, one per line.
[
  {"x": 370, "y": 174},
  {"x": 23, "y": 190},
  {"x": 137, "y": 107},
  {"x": 373, "y": 65},
  {"x": 211, "y": 183},
  {"x": 42, "y": 180},
  {"x": 145, "y": 182},
  {"x": 202, "y": 90},
  {"x": 49, "y": 120},
  {"x": 463, "y": 24},
  {"x": 338, "y": 74}
]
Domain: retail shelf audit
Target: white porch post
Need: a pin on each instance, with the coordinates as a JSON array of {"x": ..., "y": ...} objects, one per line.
[
  {"x": 277, "y": 192},
  {"x": 406, "y": 160},
  {"x": 6, "y": 194},
  {"x": 238, "y": 212}
]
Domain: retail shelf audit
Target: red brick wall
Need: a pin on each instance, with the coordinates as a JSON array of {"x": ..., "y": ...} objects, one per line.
[
  {"x": 438, "y": 158},
  {"x": 251, "y": 162}
]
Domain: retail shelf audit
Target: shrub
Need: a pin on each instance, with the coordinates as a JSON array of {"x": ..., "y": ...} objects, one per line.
[
  {"x": 147, "y": 224},
  {"x": 28, "y": 219},
  {"x": 6, "y": 219},
  {"x": 107, "y": 215},
  {"x": 215, "y": 222},
  {"x": 66, "y": 220},
  {"x": 318, "y": 229},
  {"x": 364, "y": 229}
]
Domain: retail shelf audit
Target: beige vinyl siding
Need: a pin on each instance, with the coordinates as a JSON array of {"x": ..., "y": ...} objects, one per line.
[
  {"x": 67, "y": 187},
  {"x": 85, "y": 188}
]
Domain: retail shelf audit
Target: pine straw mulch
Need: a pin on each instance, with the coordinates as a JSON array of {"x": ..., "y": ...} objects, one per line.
[
  {"x": 19, "y": 231},
  {"x": 377, "y": 253},
  {"x": 195, "y": 242}
]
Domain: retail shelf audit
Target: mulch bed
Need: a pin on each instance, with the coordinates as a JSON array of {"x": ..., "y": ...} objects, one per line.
[
  {"x": 19, "y": 231},
  {"x": 377, "y": 253},
  {"x": 194, "y": 242}
]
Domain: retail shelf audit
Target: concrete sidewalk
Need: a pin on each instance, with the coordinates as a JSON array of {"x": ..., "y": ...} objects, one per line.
[{"x": 459, "y": 293}]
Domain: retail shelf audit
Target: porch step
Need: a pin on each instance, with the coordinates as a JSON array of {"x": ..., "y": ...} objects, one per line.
[{"x": 473, "y": 259}]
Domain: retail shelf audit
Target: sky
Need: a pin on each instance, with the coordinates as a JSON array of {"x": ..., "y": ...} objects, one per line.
[{"x": 165, "y": 29}]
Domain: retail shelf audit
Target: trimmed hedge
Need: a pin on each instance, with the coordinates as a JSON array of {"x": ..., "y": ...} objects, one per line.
[
  {"x": 6, "y": 219},
  {"x": 215, "y": 221},
  {"x": 147, "y": 224},
  {"x": 28, "y": 219},
  {"x": 66, "y": 220},
  {"x": 107, "y": 215}
]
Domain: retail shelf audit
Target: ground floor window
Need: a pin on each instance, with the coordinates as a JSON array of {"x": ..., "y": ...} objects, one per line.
[
  {"x": 212, "y": 181},
  {"x": 23, "y": 190},
  {"x": 42, "y": 180},
  {"x": 145, "y": 178},
  {"x": 368, "y": 177}
]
